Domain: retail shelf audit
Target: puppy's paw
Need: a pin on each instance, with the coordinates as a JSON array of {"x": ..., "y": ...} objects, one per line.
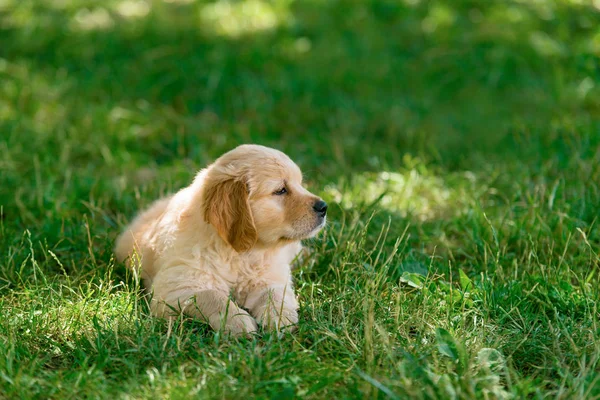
[
  {"x": 236, "y": 325},
  {"x": 284, "y": 320}
]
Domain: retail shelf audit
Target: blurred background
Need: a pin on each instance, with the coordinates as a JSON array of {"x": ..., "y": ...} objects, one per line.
[{"x": 341, "y": 85}]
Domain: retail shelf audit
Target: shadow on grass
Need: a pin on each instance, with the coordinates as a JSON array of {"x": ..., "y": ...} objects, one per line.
[{"x": 340, "y": 87}]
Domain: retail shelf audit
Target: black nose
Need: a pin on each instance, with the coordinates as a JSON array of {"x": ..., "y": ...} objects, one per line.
[{"x": 320, "y": 207}]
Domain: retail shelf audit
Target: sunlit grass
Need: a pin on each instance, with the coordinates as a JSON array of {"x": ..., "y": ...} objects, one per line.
[
  {"x": 414, "y": 192},
  {"x": 235, "y": 18},
  {"x": 228, "y": 18}
]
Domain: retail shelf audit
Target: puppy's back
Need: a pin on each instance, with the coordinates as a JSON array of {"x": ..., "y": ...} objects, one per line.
[{"x": 133, "y": 237}]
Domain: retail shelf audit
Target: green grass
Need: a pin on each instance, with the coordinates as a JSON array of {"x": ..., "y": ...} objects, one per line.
[{"x": 458, "y": 142}]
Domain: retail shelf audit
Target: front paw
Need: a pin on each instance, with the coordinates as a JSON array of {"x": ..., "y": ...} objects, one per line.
[
  {"x": 279, "y": 320},
  {"x": 236, "y": 325}
]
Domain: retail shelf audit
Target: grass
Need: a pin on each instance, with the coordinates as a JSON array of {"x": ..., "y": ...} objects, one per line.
[{"x": 458, "y": 142}]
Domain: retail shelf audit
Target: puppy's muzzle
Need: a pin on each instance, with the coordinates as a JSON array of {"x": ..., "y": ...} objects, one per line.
[{"x": 320, "y": 208}]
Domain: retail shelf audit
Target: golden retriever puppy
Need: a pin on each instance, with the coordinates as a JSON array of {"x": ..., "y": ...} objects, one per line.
[{"x": 233, "y": 232}]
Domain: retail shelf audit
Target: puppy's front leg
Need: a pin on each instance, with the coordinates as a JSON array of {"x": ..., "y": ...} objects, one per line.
[
  {"x": 210, "y": 305},
  {"x": 274, "y": 307}
]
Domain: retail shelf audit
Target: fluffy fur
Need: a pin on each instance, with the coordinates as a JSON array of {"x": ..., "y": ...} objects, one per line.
[{"x": 234, "y": 231}]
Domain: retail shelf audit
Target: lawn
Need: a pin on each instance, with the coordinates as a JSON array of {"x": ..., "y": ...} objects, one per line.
[{"x": 457, "y": 142}]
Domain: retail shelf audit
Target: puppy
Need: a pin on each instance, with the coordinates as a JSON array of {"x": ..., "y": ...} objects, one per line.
[{"x": 233, "y": 232}]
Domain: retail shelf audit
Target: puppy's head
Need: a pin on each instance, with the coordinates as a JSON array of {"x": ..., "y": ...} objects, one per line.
[{"x": 253, "y": 195}]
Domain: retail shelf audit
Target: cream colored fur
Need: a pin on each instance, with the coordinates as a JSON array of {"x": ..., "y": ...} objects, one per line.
[{"x": 231, "y": 232}]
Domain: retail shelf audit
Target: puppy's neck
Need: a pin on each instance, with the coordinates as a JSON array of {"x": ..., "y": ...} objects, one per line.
[{"x": 261, "y": 246}]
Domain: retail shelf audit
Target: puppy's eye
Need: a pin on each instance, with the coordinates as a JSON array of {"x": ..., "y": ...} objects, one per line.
[{"x": 280, "y": 192}]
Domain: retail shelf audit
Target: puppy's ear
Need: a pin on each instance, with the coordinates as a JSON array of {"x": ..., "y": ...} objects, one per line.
[{"x": 226, "y": 207}]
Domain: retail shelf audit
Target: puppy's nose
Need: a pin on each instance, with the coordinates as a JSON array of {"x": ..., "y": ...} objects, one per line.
[{"x": 320, "y": 207}]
